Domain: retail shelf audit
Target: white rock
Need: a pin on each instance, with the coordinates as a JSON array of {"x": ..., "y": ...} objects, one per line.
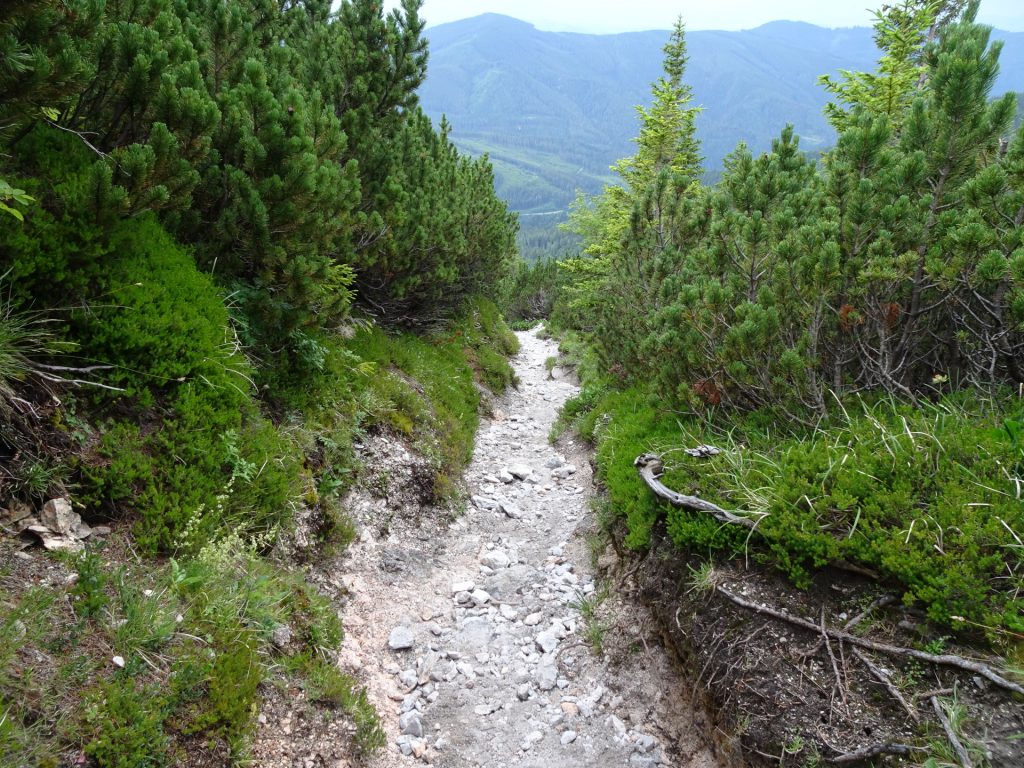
[
  {"x": 546, "y": 675},
  {"x": 401, "y": 639},
  {"x": 546, "y": 641},
  {"x": 496, "y": 560},
  {"x": 568, "y": 738},
  {"x": 520, "y": 471},
  {"x": 533, "y": 619}
]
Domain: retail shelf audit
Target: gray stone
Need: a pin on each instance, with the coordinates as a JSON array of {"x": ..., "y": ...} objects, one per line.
[
  {"x": 520, "y": 471},
  {"x": 496, "y": 559},
  {"x": 401, "y": 639},
  {"x": 480, "y": 597},
  {"x": 58, "y": 516},
  {"x": 485, "y": 504},
  {"x": 617, "y": 726},
  {"x": 523, "y": 692},
  {"x": 512, "y": 512},
  {"x": 637, "y": 760},
  {"x": 505, "y": 477},
  {"x": 533, "y": 619},
  {"x": 281, "y": 636},
  {"x": 476, "y": 632},
  {"x": 646, "y": 743},
  {"x": 554, "y": 462},
  {"x": 532, "y": 738},
  {"x": 546, "y": 675},
  {"x": 408, "y": 679},
  {"x": 411, "y": 724},
  {"x": 564, "y": 473},
  {"x": 546, "y": 642},
  {"x": 568, "y": 738}
]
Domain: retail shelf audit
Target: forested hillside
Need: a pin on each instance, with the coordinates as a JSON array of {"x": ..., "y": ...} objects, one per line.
[
  {"x": 812, "y": 368},
  {"x": 555, "y": 110},
  {"x": 219, "y": 221}
]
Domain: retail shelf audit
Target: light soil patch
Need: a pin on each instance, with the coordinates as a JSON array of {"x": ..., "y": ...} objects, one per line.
[{"x": 476, "y": 635}]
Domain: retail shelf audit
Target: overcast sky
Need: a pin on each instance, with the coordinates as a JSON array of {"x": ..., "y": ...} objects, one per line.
[{"x": 598, "y": 17}]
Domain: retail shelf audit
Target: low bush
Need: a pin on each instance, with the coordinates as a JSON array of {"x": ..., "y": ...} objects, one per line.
[
  {"x": 928, "y": 497},
  {"x": 185, "y": 421}
]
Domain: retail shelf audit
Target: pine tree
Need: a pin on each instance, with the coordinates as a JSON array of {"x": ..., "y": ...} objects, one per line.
[{"x": 614, "y": 291}]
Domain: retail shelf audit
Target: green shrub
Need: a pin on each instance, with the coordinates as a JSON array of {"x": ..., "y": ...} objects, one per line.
[
  {"x": 927, "y": 497},
  {"x": 165, "y": 331},
  {"x": 88, "y": 591},
  {"x": 124, "y": 724}
]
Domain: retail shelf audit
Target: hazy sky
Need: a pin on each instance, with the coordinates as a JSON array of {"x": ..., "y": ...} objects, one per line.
[{"x": 617, "y": 16}]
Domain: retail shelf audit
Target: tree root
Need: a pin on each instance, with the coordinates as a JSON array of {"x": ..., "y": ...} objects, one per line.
[
  {"x": 958, "y": 747},
  {"x": 886, "y": 681},
  {"x": 650, "y": 468},
  {"x": 875, "y": 750},
  {"x": 947, "y": 660}
]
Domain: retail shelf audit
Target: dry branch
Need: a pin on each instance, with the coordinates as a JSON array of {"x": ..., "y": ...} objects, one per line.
[
  {"x": 882, "y": 676},
  {"x": 961, "y": 752},
  {"x": 947, "y": 660},
  {"x": 876, "y": 750},
  {"x": 650, "y": 468}
]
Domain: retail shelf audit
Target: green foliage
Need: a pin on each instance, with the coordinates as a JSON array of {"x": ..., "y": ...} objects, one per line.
[
  {"x": 27, "y": 340},
  {"x": 9, "y": 194},
  {"x": 532, "y": 291},
  {"x": 887, "y": 268},
  {"x": 326, "y": 684},
  {"x": 928, "y": 497},
  {"x": 186, "y": 364},
  {"x": 125, "y": 726},
  {"x": 88, "y": 591},
  {"x": 900, "y": 31}
]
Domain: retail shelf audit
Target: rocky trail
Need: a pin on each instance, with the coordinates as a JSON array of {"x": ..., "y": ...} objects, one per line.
[{"x": 472, "y": 633}]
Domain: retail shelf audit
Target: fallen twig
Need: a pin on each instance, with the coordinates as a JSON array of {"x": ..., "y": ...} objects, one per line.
[
  {"x": 840, "y": 686},
  {"x": 948, "y": 660},
  {"x": 883, "y": 677},
  {"x": 875, "y": 750},
  {"x": 650, "y": 468},
  {"x": 958, "y": 747},
  {"x": 878, "y": 602}
]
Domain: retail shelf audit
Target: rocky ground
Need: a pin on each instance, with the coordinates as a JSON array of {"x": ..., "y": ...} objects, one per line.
[{"x": 476, "y": 634}]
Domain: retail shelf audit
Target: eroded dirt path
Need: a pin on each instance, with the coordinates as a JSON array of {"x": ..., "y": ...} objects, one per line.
[{"x": 470, "y": 633}]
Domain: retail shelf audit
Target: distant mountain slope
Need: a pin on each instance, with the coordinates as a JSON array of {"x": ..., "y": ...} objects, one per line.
[{"x": 554, "y": 110}]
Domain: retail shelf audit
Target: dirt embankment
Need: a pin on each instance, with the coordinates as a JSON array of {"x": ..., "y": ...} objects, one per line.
[{"x": 782, "y": 694}]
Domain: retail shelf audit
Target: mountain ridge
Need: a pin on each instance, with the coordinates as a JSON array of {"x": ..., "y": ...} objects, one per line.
[{"x": 554, "y": 110}]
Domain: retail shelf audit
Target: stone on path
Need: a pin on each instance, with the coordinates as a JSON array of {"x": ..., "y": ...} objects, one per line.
[
  {"x": 496, "y": 559},
  {"x": 546, "y": 675},
  {"x": 411, "y": 724},
  {"x": 401, "y": 639},
  {"x": 520, "y": 471}
]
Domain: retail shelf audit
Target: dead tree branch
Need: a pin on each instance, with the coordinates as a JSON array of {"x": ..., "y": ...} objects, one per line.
[
  {"x": 947, "y": 660},
  {"x": 883, "y": 677},
  {"x": 958, "y": 747},
  {"x": 876, "y": 750},
  {"x": 651, "y": 467}
]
